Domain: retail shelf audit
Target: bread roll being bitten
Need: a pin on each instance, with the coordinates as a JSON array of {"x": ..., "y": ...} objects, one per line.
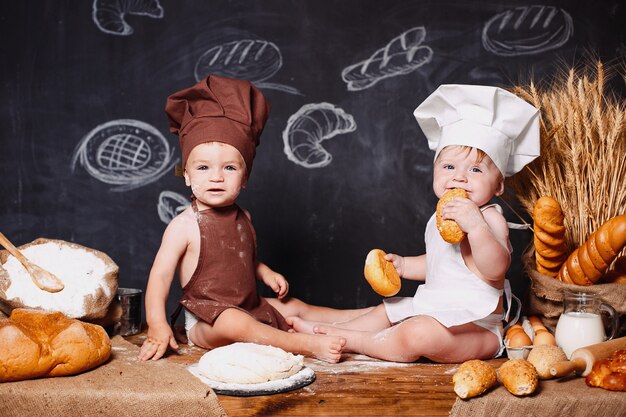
[
  {"x": 449, "y": 230},
  {"x": 381, "y": 274},
  {"x": 473, "y": 378}
]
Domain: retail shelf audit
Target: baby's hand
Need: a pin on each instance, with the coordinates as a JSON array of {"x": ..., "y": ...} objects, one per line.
[
  {"x": 465, "y": 213},
  {"x": 155, "y": 346},
  {"x": 277, "y": 283},
  {"x": 398, "y": 262}
]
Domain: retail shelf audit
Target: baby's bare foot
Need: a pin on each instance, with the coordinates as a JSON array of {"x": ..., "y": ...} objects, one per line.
[
  {"x": 327, "y": 348},
  {"x": 301, "y": 325}
]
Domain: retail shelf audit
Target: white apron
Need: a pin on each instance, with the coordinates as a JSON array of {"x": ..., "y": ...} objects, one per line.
[{"x": 451, "y": 294}]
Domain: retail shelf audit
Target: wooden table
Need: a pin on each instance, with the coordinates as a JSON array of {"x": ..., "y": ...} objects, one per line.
[{"x": 357, "y": 386}]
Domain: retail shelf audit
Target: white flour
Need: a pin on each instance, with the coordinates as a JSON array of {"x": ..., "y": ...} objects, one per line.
[{"x": 79, "y": 270}]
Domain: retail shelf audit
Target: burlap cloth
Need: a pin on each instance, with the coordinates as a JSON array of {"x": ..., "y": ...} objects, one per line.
[
  {"x": 569, "y": 397},
  {"x": 545, "y": 297},
  {"x": 121, "y": 387}
]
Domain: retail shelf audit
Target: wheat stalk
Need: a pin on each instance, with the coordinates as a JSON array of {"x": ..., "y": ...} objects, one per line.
[{"x": 583, "y": 150}]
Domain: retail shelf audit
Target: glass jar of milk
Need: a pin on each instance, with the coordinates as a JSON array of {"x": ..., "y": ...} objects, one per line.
[{"x": 581, "y": 323}]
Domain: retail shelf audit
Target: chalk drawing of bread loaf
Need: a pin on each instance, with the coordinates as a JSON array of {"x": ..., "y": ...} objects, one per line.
[
  {"x": 527, "y": 30},
  {"x": 309, "y": 127},
  {"x": 255, "y": 60},
  {"x": 402, "y": 55},
  {"x": 108, "y": 15},
  {"x": 127, "y": 153}
]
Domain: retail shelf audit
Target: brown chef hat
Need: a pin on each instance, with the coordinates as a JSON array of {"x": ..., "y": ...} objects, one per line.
[{"x": 218, "y": 109}]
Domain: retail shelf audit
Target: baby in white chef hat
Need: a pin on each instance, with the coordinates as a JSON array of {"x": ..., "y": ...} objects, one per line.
[{"x": 480, "y": 135}]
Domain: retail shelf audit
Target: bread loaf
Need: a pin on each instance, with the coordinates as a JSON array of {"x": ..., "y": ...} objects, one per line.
[
  {"x": 449, "y": 230},
  {"x": 381, "y": 274},
  {"x": 590, "y": 261},
  {"x": 473, "y": 378},
  {"x": 549, "y": 238},
  {"x": 518, "y": 376},
  {"x": 41, "y": 344},
  {"x": 609, "y": 373}
]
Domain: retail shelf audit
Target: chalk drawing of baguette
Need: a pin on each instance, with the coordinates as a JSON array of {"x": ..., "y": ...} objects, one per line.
[
  {"x": 527, "y": 30},
  {"x": 309, "y": 127},
  {"x": 255, "y": 60},
  {"x": 108, "y": 15},
  {"x": 402, "y": 55},
  {"x": 126, "y": 153},
  {"x": 170, "y": 205}
]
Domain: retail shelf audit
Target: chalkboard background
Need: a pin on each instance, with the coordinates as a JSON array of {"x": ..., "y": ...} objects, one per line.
[{"x": 70, "y": 70}]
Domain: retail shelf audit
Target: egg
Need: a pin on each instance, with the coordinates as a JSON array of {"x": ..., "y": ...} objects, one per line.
[
  {"x": 517, "y": 337},
  {"x": 543, "y": 337}
]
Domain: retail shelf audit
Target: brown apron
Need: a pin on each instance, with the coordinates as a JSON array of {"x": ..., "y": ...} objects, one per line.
[{"x": 225, "y": 275}]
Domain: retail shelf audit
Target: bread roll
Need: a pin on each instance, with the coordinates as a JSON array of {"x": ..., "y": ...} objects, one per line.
[
  {"x": 518, "y": 376},
  {"x": 40, "y": 344},
  {"x": 449, "y": 230},
  {"x": 473, "y": 378},
  {"x": 543, "y": 357},
  {"x": 381, "y": 274}
]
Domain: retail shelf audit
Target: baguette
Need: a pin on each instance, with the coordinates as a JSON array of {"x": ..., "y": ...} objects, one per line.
[
  {"x": 41, "y": 344},
  {"x": 591, "y": 260}
]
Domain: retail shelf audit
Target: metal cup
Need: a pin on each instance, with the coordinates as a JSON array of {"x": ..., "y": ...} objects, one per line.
[{"x": 130, "y": 300}]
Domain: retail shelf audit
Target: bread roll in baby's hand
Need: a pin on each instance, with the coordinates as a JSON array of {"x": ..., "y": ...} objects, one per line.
[
  {"x": 381, "y": 274},
  {"x": 473, "y": 378},
  {"x": 518, "y": 376},
  {"x": 449, "y": 230},
  {"x": 37, "y": 344}
]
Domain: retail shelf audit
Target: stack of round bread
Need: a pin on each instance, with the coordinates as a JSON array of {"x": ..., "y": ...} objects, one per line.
[{"x": 549, "y": 239}]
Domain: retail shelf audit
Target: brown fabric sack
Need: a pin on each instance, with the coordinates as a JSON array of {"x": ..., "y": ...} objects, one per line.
[{"x": 545, "y": 297}]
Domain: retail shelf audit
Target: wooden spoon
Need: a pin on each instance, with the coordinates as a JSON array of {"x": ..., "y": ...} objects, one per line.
[{"x": 42, "y": 278}]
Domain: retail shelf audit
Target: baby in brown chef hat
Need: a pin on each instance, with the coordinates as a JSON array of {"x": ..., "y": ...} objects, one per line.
[{"x": 212, "y": 244}]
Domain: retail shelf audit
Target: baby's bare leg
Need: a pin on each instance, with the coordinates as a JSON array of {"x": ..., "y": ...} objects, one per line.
[
  {"x": 375, "y": 319},
  {"x": 420, "y": 336},
  {"x": 293, "y": 307},
  {"x": 236, "y": 326}
]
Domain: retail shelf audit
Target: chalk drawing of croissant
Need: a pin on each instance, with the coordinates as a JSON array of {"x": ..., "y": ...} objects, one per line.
[
  {"x": 527, "y": 30},
  {"x": 170, "y": 205},
  {"x": 126, "y": 153},
  {"x": 255, "y": 60},
  {"x": 402, "y": 55},
  {"x": 309, "y": 127},
  {"x": 109, "y": 15}
]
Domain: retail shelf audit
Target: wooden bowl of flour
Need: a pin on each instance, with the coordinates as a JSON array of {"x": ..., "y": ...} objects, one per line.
[{"x": 89, "y": 276}]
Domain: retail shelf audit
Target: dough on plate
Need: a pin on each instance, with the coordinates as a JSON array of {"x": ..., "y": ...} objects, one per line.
[{"x": 249, "y": 363}]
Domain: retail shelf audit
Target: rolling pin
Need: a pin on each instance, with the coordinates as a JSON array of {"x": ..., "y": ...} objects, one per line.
[{"x": 583, "y": 358}]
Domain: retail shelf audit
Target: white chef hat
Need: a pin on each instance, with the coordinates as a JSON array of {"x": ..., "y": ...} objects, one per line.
[{"x": 499, "y": 123}]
